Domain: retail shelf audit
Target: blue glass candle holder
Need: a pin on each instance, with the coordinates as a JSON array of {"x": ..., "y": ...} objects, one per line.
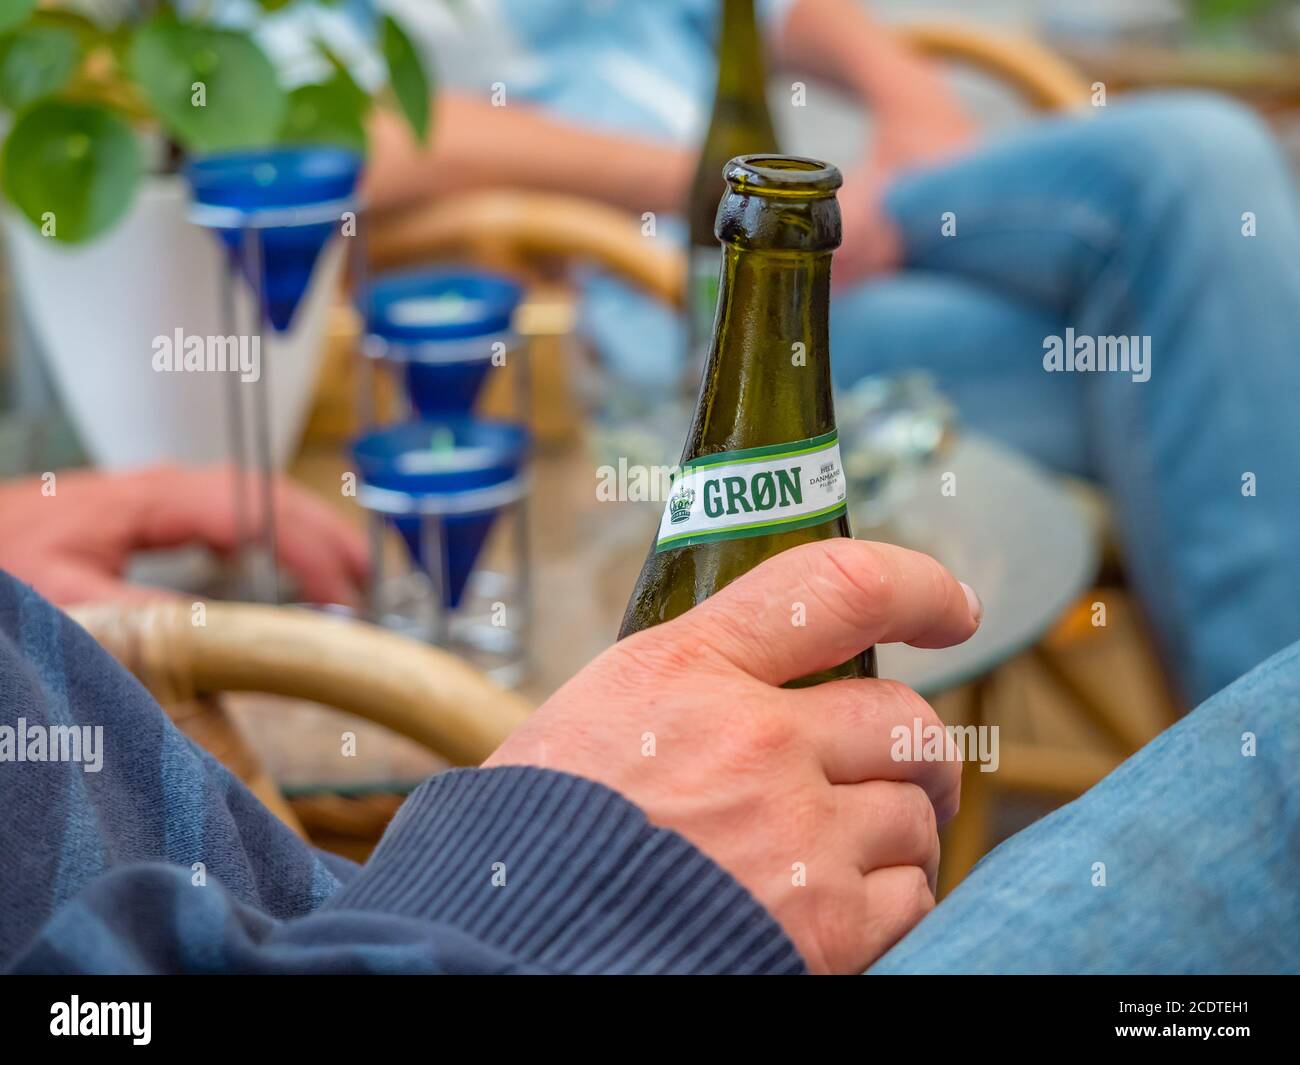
[
  {"x": 445, "y": 486},
  {"x": 292, "y": 199},
  {"x": 273, "y": 210},
  {"x": 441, "y": 331}
]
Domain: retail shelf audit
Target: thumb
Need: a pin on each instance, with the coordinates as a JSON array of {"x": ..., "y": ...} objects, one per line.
[{"x": 816, "y": 605}]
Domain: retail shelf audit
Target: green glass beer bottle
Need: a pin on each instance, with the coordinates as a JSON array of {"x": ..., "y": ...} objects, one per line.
[
  {"x": 740, "y": 125},
  {"x": 761, "y": 469}
]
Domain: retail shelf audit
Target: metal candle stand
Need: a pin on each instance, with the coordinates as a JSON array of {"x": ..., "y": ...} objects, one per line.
[
  {"x": 446, "y": 481},
  {"x": 273, "y": 210}
]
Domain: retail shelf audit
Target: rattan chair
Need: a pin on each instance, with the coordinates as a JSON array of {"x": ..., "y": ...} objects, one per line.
[{"x": 422, "y": 693}]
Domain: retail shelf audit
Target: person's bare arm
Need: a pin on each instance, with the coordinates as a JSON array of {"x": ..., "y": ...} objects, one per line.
[
  {"x": 476, "y": 145},
  {"x": 916, "y": 120},
  {"x": 916, "y": 116}
]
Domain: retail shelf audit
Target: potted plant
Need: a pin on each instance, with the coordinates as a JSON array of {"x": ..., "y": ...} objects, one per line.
[{"x": 102, "y": 105}]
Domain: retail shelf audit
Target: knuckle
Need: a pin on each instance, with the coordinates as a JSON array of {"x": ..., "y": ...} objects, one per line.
[
  {"x": 842, "y": 931},
  {"x": 905, "y": 705},
  {"x": 913, "y": 899},
  {"x": 944, "y": 588},
  {"x": 920, "y": 900},
  {"x": 652, "y": 654},
  {"x": 949, "y": 784},
  {"x": 950, "y": 804},
  {"x": 722, "y": 637},
  {"x": 759, "y": 733},
  {"x": 923, "y": 822},
  {"x": 852, "y": 705},
  {"x": 852, "y": 578},
  {"x": 861, "y": 562},
  {"x": 903, "y": 902},
  {"x": 809, "y": 810}
]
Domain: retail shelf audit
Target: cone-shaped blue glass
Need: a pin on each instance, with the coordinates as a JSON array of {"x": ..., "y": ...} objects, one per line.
[
  {"x": 293, "y": 196},
  {"x": 442, "y": 464},
  {"x": 443, "y": 325}
]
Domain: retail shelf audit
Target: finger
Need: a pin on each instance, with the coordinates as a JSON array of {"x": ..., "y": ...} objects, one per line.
[
  {"x": 67, "y": 585},
  {"x": 323, "y": 552},
  {"x": 323, "y": 573},
  {"x": 300, "y": 506},
  {"x": 176, "y": 506},
  {"x": 880, "y": 730},
  {"x": 898, "y": 898},
  {"x": 892, "y": 824},
  {"x": 329, "y": 556},
  {"x": 815, "y": 606}
]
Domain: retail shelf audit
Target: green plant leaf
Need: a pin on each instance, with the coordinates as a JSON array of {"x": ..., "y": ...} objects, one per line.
[
  {"x": 325, "y": 114},
  {"x": 36, "y": 61},
  {"x": 406, "y": 76},
  {"x": 87, "y": 32},
  {"x": 343, "y": 76},
  {"x": 75, "y": 165},
  {"x": 14, "y": 13},
  {"x": 213, "y": 89}
]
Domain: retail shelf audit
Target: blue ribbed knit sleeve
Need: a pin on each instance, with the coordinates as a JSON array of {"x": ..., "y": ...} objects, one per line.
[
  {"x": 564, "y": 875},
  {"x": 151, "y": 858}
]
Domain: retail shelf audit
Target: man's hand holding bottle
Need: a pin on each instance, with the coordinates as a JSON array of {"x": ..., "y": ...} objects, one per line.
[{"x": 793, "y": 791}]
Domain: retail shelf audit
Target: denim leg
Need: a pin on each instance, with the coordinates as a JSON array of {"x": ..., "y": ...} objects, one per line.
[
  {"x": 1183, "y": 860},
  {"x": 981, "y": 346},
  {"x": 1134, "y": 224}
]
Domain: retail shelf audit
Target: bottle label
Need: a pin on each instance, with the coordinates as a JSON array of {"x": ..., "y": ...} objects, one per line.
[{"x": 755, "y": 492}]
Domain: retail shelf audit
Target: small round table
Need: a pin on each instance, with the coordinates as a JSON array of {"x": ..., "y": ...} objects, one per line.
[{"x": 1010, "y": 530}]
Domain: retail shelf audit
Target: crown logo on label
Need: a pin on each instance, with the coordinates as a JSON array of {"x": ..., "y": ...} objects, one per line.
[{"x": 679, "y": 506}]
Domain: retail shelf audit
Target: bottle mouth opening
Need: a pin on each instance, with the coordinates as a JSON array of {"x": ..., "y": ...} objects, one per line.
[{"x": 787, "y": 176}]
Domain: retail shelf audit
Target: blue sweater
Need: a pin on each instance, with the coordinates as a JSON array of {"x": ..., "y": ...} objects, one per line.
[{"x": 138, "y": 853}]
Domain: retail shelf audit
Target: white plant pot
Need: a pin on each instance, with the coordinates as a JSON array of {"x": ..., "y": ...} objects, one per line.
[{"x": 95, "y": 309}]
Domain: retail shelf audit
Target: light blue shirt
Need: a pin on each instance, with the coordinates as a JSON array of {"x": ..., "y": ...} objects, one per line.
[
  {"x": 644, "y": 67},
  {"x": 636, "y": 66}
]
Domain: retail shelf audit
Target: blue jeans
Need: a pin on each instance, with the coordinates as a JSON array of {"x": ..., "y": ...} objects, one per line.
[
  {"x": 1129, "y": 224},
  {"x": 1183, "y": 860}
]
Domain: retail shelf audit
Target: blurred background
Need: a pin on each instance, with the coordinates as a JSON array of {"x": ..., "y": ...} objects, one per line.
[{"x": 468, "y": 381}]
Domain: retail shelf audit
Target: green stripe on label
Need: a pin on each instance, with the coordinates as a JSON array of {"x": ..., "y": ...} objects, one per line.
[
  {"x": 769, "y": 451},
  {"x": 758, "y": 528}
]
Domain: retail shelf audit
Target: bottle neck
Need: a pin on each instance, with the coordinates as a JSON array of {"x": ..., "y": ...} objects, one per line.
[
  {"x": 742, "y": 73},
  {"x": 767, "y": 379},
  {"x": 739, "y": 122}
]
